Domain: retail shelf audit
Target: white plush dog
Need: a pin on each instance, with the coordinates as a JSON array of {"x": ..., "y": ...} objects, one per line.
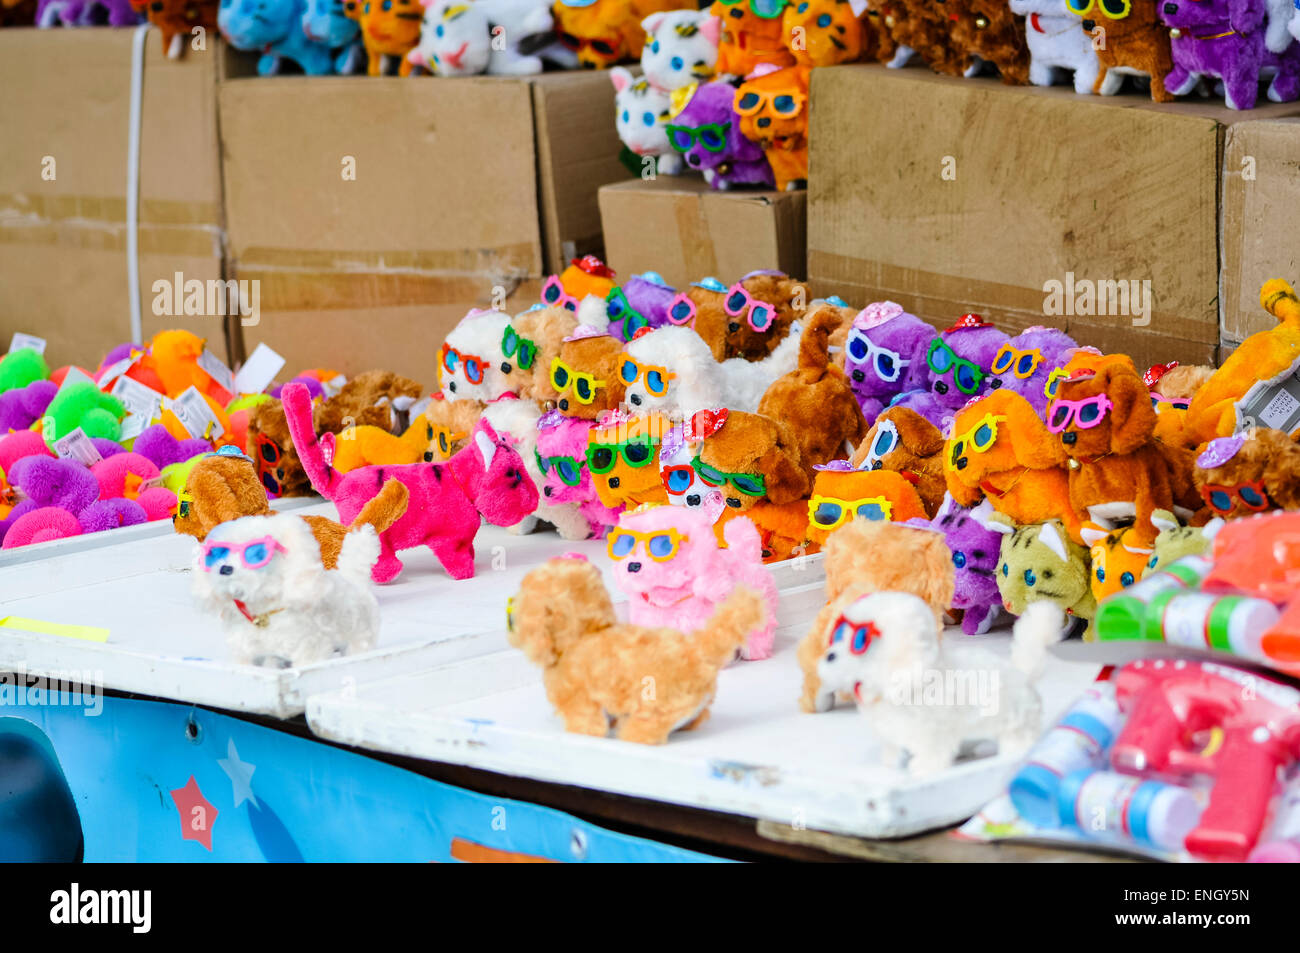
[
  {"x": 641, "y": 112},
  {"x": 1057, "y": 41},
  {"x": 681, "y": 48},
  {"x": 471, "y": 369},
  {"x": 279, "y": 605},
  {"x": 517, "y": 421},
  {"x": 924, "y": 695},
  {"x": 456, "y": 37},
  {"x": 700, "y": 382}
]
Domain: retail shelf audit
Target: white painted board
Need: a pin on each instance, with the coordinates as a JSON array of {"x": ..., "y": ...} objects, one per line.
[{"x": 758, "y": 755}]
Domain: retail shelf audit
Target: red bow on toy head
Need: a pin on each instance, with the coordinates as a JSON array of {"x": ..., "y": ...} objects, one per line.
[
  {"x": 969, "y": 321},
  {"x": 705, "y": 423},
  {"x": 1157, "y": 371}
]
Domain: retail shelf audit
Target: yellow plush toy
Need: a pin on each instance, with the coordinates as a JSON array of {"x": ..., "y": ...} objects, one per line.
[{"x": 366, "y": 445}]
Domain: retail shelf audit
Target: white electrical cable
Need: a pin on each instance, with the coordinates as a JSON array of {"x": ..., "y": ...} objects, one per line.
[{"x": 133, "y": 182}]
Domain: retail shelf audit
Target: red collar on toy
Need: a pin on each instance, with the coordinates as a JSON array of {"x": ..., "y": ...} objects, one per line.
[{"x": 258, "y": 620}]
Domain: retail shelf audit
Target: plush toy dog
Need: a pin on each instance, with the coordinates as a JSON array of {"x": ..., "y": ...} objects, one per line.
[
  {"x": 621, "y": 458},
  {"x": 1251, "y": 472},
  {"x": 1000, "y": 449},
  {"x": 677, "y": 470},
  {"x": 1127, "y": 39},
  {"x": 370, "y": 399},
  {"x": 885, "y": 356},
  {"x": 1057, "y": 43},
  {"x": 1226, "y": 39},
  {"x": 752, "y": 34},
  {"x": 867, "y": 556},
  {"x": 1041, "y": 562},
  {"x": 917, "y": 28},
  {"x": 566, "y": 480},
  {"x": 988, "y": 30},
  {"x": 905, "y": 442},
  {"x": 389, "y": 28},
  {"x": 640, "y": 116},
  {"x": 271, "y": 448},
  {"x": 279, "y": 605},
  {"x": 469, "y": 364},
  {"x": 681, "y": 48},
  {"x": 530, "y": 345},
  {"x": 815, "y": 399},
  {"x": 275, "y": 28},
  {"x": 486, "y": 479},
  {"x": 586, "y": 376},
  {"x": 596, "y": 669},
  {"x": 841, "y": 494},
  {"x": 1026, "y": 363},
  {"x": 752, "y": 459},
  {"x": 643, "y": 301},
  {"x": 771, "y": 106},
  {"x": 706, "y": 131},
  {"x": 958, "y": 363},
  {"x": 887, "y": 646},
  {"x": 669, "y": 563},
  {"x": 327, "y": 22},
  {"x": 828, "y": 32},
  {"x": 748, "y": 332}
]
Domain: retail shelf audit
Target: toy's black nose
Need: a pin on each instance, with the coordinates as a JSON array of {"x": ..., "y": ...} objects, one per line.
[
  {"x": 1171, "y": 8},
  {"x": 763, "y": 122},
  {"x": 635, "y": 399},
  {"x": 733, "y": 327},
  {"x": 693, "y": 500},
  {"x": 451, "y": 386},
  {"x": 733, "y": 502},
  {"x": 226, "y": 570},
  {"x": 878, "y": 465},
  {"x": 692, "y": 159},
  {"x": 505, "y": 367},
  {"x": 961, "y": 463},
  {"x": 830, "y": 656},
  {"x": 858, "y": 376},
  {"x": 1069, "y": 437},
  {"x": 633, "y": 567},
  {"x": 428, "y": 456},
  {"x": 1089, "y": 25},
  {"x": 613, "y": 483},
  {"x": 940, "y": 387},
  {"x": 995, "y": 383},
  {"x": 564, "y": 403},
  {"x": 546, "y": 491}
]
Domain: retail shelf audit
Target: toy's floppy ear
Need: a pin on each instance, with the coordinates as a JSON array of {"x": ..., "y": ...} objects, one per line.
[
  {"x": 620, "y": 77},
  {"x": 1092, "y": 534},
  {"x": 784, "y": 478},
  {"x": 1031, "y": 442},
  {"x": 214, "y": 501},
  {"x": 920, "y": 436},
  {"x": 1133, "y": 419},
  {"x": 1050, "y": 536}
]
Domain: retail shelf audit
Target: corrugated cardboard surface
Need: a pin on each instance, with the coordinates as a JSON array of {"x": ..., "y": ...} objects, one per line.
[
  {"x": 1261, "y": 220},
  {"x": 684, "y": 230},
  {"x": 63, "y": 269},
  {"x": 1046, "y": 182}
]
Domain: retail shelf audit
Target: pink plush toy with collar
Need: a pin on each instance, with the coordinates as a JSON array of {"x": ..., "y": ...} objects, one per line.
[
  {"x": 485, "y": 478},
  {"x": 562, "y": 457},
  {"x": 675, "y": 575}
]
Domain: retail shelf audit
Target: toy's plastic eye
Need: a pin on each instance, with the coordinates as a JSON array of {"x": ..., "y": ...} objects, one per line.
[
  {"x": 761, "y": 317},
  {"x": 1030, "y": 578},
  {"x": 983, "y": 435},
  {"x": 602, "y": 459},
  {"x": 750, "y": 486},
  {"x": 654, "y": 47},
  {"x": 711, "y": 139},
  {"x": 873, "y": 511},
  {"x": 1025, "y": 366},
  {"x": 803, "y": 8},
  {"x": 622, "y": 545},
  {"x": 676, "y": 62},
  {"x": 648, "y": 118},
  {"x": 824, "y": 20},
  {"x": 627, "y": 116},
  {"x": 439, "y": 30},
  {"x": 785, "y": 105},
  {"x": 1126, "y": 580},
  {"x": 582, "y": 387},
  {"x": 861, "y": 636},
  {"x": 959, "y": 560},
  {"x": 1221, "y": 501},
  {"x": 386, "y": 5},
  {"x": 1151, "y": 563},
  {"x": 679, "y": 481},
  {"x": 1251, "y": 497},
  {"x": 662, "y": 546},
  {"x": 885, "y": 367},
  {"x": 567, "y": 471},
  {"x": 884, "y": 443},
  {"x": 1101, "y": 574},
  {"x": 636, "y": 454},
  {"x": 1060, "y": 414},
  {"x": 967, "y": 377},
  {"x": 629, "y": 372},
  {"x": 827, "y": 514},
  {"x": 255, "y": 553},
  {"x": 1006, "y": 570},
  {"x": 1088, "y": 413}
]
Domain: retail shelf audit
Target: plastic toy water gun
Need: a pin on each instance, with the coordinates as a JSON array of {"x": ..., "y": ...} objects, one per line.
[{"x": 1249, "y": 726}]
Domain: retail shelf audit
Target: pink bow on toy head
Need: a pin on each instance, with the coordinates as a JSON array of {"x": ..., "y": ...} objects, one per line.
[{"x": 876, "y": 314}]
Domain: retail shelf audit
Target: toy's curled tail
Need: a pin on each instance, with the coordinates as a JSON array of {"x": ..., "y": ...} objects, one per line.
[
  {"x": 814, "y": 346},
  {"x": 730, "y": 625},
  {"x": 382, "y": 510}
]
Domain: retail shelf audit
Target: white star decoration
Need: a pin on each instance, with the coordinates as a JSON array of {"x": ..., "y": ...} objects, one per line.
[{"x": 240, "y": 773}]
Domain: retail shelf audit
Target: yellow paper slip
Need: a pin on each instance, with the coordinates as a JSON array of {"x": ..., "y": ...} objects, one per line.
[{"x": 88, "y": 633}]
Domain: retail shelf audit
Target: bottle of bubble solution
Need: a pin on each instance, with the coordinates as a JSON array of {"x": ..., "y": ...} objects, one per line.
[
  {"x": 1203, "y": 620},
  {"x": 1282, "y": 843},
  {"x": 1120, "y": 615},
  {"x": 1079, "y": 741},
  {"x": 1106, "y": 806}
]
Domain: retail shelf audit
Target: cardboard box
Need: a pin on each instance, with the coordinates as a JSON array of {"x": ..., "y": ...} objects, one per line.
[
  {"x": 1261, "y": 220},
  {"x": 374, "y": 212},
  {"x": 681, "y": 228},
  {"x": 951, "y": 195},
  {"x": 63, "y": 173}
]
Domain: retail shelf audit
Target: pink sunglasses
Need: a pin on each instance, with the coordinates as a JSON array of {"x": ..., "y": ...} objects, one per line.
[
  {"x": 1087, "y": 413},
  {"x": 682, "y": 310},
  {"x": 254, "y": 554},
  {"x": 759, "y": 314},
  {"x": 553, "y": 293}
]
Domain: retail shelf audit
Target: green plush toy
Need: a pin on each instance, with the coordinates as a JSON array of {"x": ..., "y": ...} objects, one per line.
[
  {"x": 83, "y": 405},
  {"x": 1040, "y": 561},
  {"x": 21, "y": 367},
  {"x": 1175, "y": 541}
]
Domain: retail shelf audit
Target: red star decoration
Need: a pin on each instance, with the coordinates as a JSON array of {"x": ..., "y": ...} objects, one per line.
[{"x": 197, "y": 813}]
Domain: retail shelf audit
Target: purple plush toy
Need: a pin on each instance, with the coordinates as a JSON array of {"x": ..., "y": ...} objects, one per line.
[
  {"x": 975, "y": 550},
  {"x": 21, "y": 408},
  {"x": 640, "y": 302},
  {"x": 957, "y": 369},
  {"x": 707, "y": 133},
  {"x": 313, "y": 386},
  {"x": 162, "y": 449},
  {"x": 884, "y": 355},
  {"x": 86, "y": 13},
  {"x": 1226, "y": 39},
  {"x": 1025, "y": 363},
  {"x": 50, "y": 481}
]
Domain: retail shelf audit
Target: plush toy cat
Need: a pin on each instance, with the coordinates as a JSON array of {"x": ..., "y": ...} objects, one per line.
[
  {"x": 485, "y": 36},
  {"x": 274, "y": 27},
  {"x": 1039, "y": 561},
  {"x": 327, "y": 22},
  {"x": 976, "y": 546},
  {"x": 706, "y": 131},
  {"x": 1057, "y": 43},
  {"x": 1118, "y": 557},
  {"x": 752, "y": 33},
  {"x": 389, "y": 28},
  {"x": 771, "y": 105},
  {"x": 826, "y": 32},
  {"x": 681, "y": 48},
  {"x": 641, "y": 115}
]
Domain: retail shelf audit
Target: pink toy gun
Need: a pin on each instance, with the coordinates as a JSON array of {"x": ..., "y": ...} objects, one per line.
[{"x": 1253, "y": 727}]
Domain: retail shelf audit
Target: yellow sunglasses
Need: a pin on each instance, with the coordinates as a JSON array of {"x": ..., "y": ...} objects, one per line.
[
  {"x": 979, "y": 438},
  {"x": 1018, "y": 362},
  {"x": 829, "y": 512},
  {"x": 661, "y": 545},
  {"x": 1114, "y": 9},
  {"x": 442, "y": 437},
  {"x": 1055, "y": 377},
  {"x": 584, "y": 385}
]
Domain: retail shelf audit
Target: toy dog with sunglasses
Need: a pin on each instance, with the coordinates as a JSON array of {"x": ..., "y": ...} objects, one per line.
[
  {"x": 1000, "y": 449},
  {"x": 1025, "y": 364},
  {"x": 885, "y": 356},
  {"x": 485, "y": 480},
  {"x": 1226, "y": 40},
  {"x": 622, "y": 458},
  {"x": 280, "y": 607},
  {"x": 561, "y": 458},
  {"x": 1248, "y": 473},
  {"x": 706, "y": 131},
  {"x": 1057, "y": 42},
  {"x": 469, "y": 364},
  {"x": 586, "y": 376},
  {"x": 1127, "y": 37},
  {"x": 815, "y": 398},
  {"x": 958, "y": 363},
  {"x": 841, "y": 494},
  {"x": 905, "y": 442},
  {"x": 669, "y": 563},
  {"x": 271, "y": 448},
  {"x": 530, "y": 344},
  {"x": 678, "y": 468},
  {"x": 753, "y": 33},
  {"x": 772, "y": 106}
]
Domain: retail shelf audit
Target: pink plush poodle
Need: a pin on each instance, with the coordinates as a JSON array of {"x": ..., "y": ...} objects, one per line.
[
  {"x": 124, "y": 476},
  {"x": 668, "y": 562},
  {"x": 486, "y": 477},
  {"x": 562, "y": 452}
]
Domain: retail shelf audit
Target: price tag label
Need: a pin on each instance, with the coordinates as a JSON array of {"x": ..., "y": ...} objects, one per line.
[
  {"x": 77, "y": 446},
  {"x": 196, "y": 416},
  {"x": 76, "y": 376},
  {"x": 258, "y": 371},
  {"x": 21, "y": 340},
  {"x": 137, "y": 398},
  {"x": 217, "y": 370},
  {"x": 1274, "y": 403},
  {"x": 134, "y": 425}
]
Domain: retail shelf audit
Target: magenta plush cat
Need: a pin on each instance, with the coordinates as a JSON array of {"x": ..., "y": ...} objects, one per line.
[
  {"x": 562, "y": 457},
  {"x": 486, "y": 477}
]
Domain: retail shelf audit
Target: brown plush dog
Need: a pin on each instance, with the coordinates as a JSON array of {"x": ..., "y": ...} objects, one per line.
[
  {"x": 1262, "y": 473},
  {"x": 752, "y": 445},
  {"x": 271, "y": 448},
  {"x": 863, "y": 557},
  {"x": 1117, "y": 467},
  {"x": 596, "y": 670},
  {"x": 544, "y": 331},
  {"x": 815, "y": 399},
  {"x": 221, "y": 488},
  {"x": 372, "y": 398},
  {"x": 905, "y": 442},
  {"x": 991, "y": 31},
  {"x": 585, "y": 376},
  {"x": 921, "y": 26},
  {"x": 1136, "y": 40},
  {"x": 730, "y": 334}
]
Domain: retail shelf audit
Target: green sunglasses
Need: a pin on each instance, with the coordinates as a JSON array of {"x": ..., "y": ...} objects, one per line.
[
  {"x": 712, "y": 136},
  {"x": 567, "y": 469},
  {"x": 601, "y": 457},
  {"x": 767, "y": 9},
  {"x": 511, "y": 343},
  {"x": 751, "y": 484},
  {"x": 942, "y": 360},
  {"x": 618, "y": 309}
]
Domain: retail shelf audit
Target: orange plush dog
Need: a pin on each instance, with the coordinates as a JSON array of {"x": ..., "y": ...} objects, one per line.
[
  {"x": 1134, "y": 39},
  {"x": 596, "y": 669},
  {"x": 585, "y": 375},
  {"x": 622, "y": 457},
  {"x": 865, "y": 557},
  {"x": 772, "y": 106},
  {"x": 1000, "y": 449},
  {"x": 815, "y": 399},
  {"x": 905, "y": 442},
  {"x": 840, "y": 496}
]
